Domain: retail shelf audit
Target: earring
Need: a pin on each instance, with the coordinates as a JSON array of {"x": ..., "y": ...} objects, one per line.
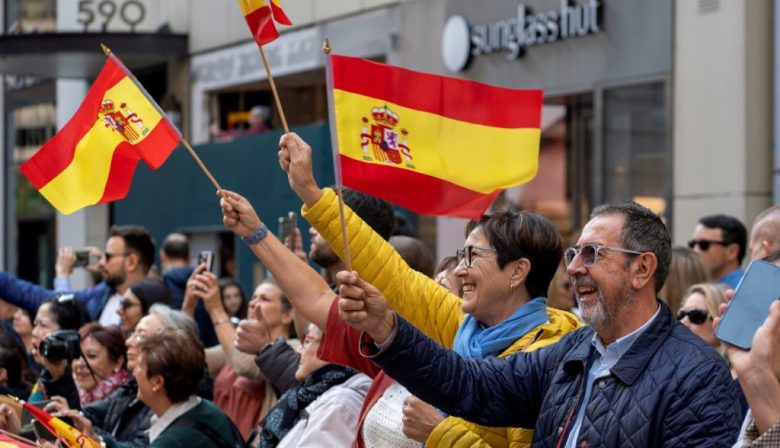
[{"x": 512, "y": 286}]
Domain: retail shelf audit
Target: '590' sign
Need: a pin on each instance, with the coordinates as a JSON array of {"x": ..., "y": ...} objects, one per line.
[{"x": 103, "y": 12}]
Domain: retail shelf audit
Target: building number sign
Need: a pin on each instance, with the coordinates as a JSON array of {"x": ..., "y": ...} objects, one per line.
[{"x": 131, "y": 12}]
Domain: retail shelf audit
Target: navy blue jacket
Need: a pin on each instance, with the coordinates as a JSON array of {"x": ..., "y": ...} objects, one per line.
[
  {"x": 29, "y": 296},
  {"x": 176, "y": 281},
  {"x": 669, "y": 389}
]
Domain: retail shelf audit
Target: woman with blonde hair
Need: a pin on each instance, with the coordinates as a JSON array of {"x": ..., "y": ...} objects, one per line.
[
  {"x": 698, "y": 310},
  {"x": 687, "y": 269}
]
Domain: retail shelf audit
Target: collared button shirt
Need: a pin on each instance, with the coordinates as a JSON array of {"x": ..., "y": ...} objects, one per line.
[{"x": 604, "y": 358}]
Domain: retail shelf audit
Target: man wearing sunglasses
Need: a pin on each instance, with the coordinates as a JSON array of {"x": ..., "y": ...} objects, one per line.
[
  {"x": 127, "y": 259},
  {"x": 633, "y": 377},
  {"x": 721, "y": 241}
]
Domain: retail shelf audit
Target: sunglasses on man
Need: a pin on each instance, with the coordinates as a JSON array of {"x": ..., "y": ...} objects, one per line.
[
  {"x": 695, "y": 316},
  {"x": 705, "y": 244}
]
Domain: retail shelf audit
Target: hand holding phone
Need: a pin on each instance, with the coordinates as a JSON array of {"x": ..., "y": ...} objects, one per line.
[
  {"x": 760, "y": 286},
  {"x": 206, "y": 257}
]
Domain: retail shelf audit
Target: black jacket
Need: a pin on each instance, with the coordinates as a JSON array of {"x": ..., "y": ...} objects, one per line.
[
  {"x": 669, "y": 389},
  {"x": 120, "y": 418},
  {"x": 278, "y": 363}
]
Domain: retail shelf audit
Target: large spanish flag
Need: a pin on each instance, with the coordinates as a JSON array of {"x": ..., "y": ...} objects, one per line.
[
  {"x": 434, "y": 145},
  {"x": 92, "y": 159},
  {"x": 260, "y": 18}
]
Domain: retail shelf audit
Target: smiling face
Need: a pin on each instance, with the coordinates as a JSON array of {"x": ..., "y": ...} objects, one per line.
[
  {"x": 309, "y": 362},
  {"x": 604, "y": 289},
  {"x": 267, "y": 304},
  {"x": 485, "y": 286},
  {"x": 45, "y": 324},
  {"x": 146, "y": 326},
  {"x": 98, "y": 358},
  {"x": 130, "y": 311}
]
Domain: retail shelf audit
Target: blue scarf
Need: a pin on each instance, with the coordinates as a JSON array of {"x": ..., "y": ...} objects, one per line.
[{"x": 474, "y": 341}]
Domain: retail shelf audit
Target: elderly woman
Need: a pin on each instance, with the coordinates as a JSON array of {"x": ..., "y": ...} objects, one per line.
[
  {"x": 120, "y": 419},
  {"x": 505, "y": 269},
  {"x": 101, "y": 368},
  {"x": 163, "y": 371}
]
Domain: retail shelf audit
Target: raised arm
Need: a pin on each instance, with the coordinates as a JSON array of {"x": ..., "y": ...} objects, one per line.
[
  {"x": 418, "y": 298},
  {"x": 305, "y": 288}
]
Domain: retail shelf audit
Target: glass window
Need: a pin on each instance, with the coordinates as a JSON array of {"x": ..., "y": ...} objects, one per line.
[{"x": 636, "y": 153}]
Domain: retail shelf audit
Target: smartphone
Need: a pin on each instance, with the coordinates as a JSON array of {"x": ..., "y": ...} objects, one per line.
[
  {"x": 82, "y": 258},
  {"x": 206, "y": 257},
  {"x": 287, "y": 225},
  {"x": 760, "y": 286}
]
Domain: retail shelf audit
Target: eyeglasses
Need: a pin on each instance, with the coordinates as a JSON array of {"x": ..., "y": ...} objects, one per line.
[
  {"x": 109, "y": 255},
  {"x": 467, "y": 253},
  {"x": 125, "y": 304},
  {"x": 589, "y": 253},
  {"x": 705, "y": 244},
  {"x": 695, "y": 315}
]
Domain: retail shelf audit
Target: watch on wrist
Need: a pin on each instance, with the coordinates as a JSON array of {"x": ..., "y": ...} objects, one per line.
[{"x": 256, "y": 236}]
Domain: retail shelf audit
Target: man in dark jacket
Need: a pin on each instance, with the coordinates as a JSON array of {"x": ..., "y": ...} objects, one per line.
[
  {"x": 128, "y": 257},
  {"x": 634, "y": 377}
]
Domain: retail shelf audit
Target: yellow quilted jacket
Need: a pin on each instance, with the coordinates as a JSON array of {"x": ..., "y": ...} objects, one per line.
[{"x": 429, "y": 307}]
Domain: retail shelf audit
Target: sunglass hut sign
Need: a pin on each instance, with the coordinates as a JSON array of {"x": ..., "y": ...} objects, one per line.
[{"x": 462, "y": 41}]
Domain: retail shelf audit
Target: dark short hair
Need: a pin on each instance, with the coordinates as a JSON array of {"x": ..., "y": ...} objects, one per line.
[
  {"x": 732, "y": 229},
  {"x": 414, "y": 252},
  {"x": 138, "y": 240},
  {"x": 377, "y": 213},
  {"x": 109, "y": 337},
  {"x": 643, "y": 231},
  {"x": 177, "y": 356},
  {"x": 515, "y": 235},
  {"x": 68, "y": 312},
  {"x": 448, "y": 263},
  {"x": 176, "y": 246},
  {"x": 150, "y": 292},
  {"x": 13, "y": 358}
]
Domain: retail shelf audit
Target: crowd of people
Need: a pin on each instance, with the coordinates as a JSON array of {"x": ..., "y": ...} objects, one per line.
[{"x": 516, "y": 340}]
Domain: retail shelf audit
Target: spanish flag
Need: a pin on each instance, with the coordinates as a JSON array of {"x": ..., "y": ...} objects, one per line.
[
  {"x": 92, "y": 159},
  {"x": 260, "y": 18},
  {"x": 6, "y": 441},
  {"x": 67, "y": 434},
  {"x": 434, "y": 145}
]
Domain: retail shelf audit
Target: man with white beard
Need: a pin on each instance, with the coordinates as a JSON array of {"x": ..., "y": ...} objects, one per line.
[{"x": 634, "y": 376}]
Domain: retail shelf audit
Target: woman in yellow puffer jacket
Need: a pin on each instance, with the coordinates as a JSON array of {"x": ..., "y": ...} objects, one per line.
[{"x": 505, "y": 267}]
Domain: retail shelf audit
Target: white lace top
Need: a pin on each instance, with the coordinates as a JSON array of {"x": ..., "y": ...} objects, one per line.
[{"x": 383, "y": 426}]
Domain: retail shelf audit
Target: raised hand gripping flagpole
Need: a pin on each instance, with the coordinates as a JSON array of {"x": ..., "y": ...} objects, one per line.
[
  {"x": 336, "y": 161},
  {"x": 186, "y": 144}
]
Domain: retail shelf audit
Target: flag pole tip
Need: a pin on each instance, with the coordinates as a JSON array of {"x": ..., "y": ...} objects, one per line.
[
  {"x": 326, "y": 46},
  {"x": 106, "y": 50}
]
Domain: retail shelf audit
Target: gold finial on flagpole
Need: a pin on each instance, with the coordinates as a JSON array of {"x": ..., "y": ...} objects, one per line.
[
  {"x": 106, "y": 50},
  {"x": 326, "y": 46}
]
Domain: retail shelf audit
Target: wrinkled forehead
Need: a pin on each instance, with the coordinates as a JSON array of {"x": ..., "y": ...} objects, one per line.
[{"x": 603, "y": 230}]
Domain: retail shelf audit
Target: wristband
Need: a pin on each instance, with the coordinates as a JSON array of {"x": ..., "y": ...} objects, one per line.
[{"x": 256, "y": 236}]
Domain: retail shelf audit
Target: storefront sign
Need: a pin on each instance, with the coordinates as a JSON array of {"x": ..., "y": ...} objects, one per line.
[{"x": 512, "y": 36}]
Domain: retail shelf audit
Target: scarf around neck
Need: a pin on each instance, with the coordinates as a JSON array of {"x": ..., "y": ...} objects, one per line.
[
  {"x": 290, "y": 407},
  {"x": 475, "y": 341}
]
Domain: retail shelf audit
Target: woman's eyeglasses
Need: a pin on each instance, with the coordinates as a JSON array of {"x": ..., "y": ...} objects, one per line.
[
  {"x": 467, "y": 253},
  {"x": 589, "y": 253},
  {"x": 695, "y": 316}
]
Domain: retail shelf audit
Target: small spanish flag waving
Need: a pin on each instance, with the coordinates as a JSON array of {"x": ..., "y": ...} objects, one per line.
[
  {"x": 92, "y": 159},
  {"x": 260, "y": 18},
  {"x": 67, "y": 434},
  {"x": 434, "y": 145}
]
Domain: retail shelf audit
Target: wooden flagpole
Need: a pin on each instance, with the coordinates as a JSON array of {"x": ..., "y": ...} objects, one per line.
[
  {"x": 20, "y": 438},
  {"x": 110, "y": 55},
  {"x": 345, "y": 242},
  {"x": 273, "y": 89}
]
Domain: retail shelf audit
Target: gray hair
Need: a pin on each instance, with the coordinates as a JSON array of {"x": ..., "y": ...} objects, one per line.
[
  {"x": 642, "y": 231},
  {"x": 172, "y": 319}
]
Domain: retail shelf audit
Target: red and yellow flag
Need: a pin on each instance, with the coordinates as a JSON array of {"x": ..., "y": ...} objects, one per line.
[
  {"x": 434, "y": 145},
  {"x": 260, "y": 18},
  {"x": 67, "y": 434},
  {"x": 92, "y": 159},
  {"x": 7, "y": 441}
]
